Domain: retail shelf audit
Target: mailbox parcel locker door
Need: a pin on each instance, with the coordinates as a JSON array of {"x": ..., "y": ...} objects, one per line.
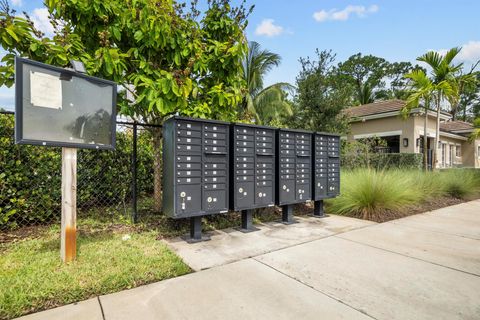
[{"x": 254, "y": 167}]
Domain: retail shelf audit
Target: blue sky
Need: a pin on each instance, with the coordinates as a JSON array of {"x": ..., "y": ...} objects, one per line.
[{"x": 395, "y": 30}]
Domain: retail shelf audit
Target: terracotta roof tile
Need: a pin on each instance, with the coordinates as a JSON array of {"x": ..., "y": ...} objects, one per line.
[
  {"x": 375, "y": 108},
  {"x": 452, "y": 126}
]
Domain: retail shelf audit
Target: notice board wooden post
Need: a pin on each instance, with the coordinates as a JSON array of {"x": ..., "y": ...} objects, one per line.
[{"x": 68, "y": 244}]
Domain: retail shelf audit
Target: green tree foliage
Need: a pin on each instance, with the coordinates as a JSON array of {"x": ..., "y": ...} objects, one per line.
[
  {"x": 321, "y": 96},
  {"x": 169, "y": 58},
  {"x": 268, "y": 104},
  {"x": 374, "y": 78}
]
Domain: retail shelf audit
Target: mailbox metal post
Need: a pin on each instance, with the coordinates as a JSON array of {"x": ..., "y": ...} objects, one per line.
[
  {"x": 247, "y": 220},
  {"x": 287, "y": 214},
  {"x": 252, "y": 158},
  {"x": 294, "y": 169},
  {"x": 195, "y": 166},
  {"x": 196, "y": 228},
  {"x": 318, "y": 209}
]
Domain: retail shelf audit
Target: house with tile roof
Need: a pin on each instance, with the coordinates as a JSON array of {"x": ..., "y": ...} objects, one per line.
[{"x": 383, "y": 119}]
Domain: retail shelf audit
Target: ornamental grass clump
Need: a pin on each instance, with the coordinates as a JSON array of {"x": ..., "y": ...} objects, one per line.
[
  {"x": 370, "y": 194},
  {"x": 460, "y": 183}
]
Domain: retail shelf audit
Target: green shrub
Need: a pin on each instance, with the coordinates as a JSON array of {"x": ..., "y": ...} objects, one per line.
[
  {"x": 30, "y": 177},
  {"x": 368, "y": 193},
  {"x": 382, "y": 161}
]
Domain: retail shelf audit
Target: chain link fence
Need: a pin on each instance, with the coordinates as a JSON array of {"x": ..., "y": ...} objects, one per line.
[{"x": 30, "y": 178}]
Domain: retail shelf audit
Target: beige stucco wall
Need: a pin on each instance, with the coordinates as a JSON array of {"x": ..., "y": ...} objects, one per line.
[
  {"x": 412, "y": 128},
  {"x": 380, "y": 127},
  {"x": 471, "y": 157}
]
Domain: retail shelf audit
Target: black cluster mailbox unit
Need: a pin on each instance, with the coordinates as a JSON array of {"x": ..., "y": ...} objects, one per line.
[
  {"x": 253, "y": 169},
  {"x": 211, "y": 167},
  {"x": 196, "y": 169},
  {"x": 294, "y": 149},
  {"x": 326, "y": 166}
]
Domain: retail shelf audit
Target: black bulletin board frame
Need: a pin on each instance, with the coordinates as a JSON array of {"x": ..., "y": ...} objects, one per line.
[{"x": 19, "y": 63}]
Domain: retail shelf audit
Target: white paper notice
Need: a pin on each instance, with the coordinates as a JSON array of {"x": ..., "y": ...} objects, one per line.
[{"x": 45, "y": 90}]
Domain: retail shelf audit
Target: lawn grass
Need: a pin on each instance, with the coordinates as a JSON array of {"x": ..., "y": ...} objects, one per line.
[{"x": 32, "y": 278}]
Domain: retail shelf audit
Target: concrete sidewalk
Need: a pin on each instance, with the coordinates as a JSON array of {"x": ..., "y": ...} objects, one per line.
[{"x": 425, "y": 266}]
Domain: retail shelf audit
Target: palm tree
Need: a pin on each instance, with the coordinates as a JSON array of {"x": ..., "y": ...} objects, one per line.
[
  {"x": 444, "y": 78},
  {"x": 422, "y": 91},
  {"x": 265, "y": 104}
]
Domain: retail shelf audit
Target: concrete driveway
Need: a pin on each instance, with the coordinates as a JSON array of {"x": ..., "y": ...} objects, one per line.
[{"x": 425, "y": 266}]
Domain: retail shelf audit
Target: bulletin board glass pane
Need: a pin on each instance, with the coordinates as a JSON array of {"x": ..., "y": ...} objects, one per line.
[{"x": 57, "y": 107}]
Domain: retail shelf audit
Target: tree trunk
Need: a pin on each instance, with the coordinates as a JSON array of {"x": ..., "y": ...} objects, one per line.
[
  {"x": 437, "y": 135},
  {"x": 425, "y": 141},
  {"x": 157, "y": 169}
]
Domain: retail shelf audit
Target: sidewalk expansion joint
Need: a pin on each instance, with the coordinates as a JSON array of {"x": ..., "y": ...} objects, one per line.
[
  {"x": 101, "y": 307},
  {"x": 315, "y": 289},
  {"x": 407, "y": 256}
]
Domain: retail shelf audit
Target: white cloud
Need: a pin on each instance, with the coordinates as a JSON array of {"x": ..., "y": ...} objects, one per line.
[
  {"x": 17, "y": 3},
  {"x": 470, "y": 52},
  {"x": 268, "y": 28},
  {"x": 342, "y": 15},
  {"x": 40, "y": 19}
]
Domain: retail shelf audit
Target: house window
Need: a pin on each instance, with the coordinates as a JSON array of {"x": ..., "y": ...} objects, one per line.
[{"x": 458, "y": 151}]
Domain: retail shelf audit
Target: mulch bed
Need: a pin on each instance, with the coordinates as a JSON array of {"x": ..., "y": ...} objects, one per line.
[{"x": 428, "y": 205}]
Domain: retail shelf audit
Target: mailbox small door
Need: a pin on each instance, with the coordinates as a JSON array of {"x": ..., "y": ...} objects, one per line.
[
  {"x": 244, "y": 193},
  {"x": 188, "y": 199}
]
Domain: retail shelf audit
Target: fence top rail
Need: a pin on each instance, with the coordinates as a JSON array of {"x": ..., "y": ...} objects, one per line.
[{"x": 131, "y": 123}]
